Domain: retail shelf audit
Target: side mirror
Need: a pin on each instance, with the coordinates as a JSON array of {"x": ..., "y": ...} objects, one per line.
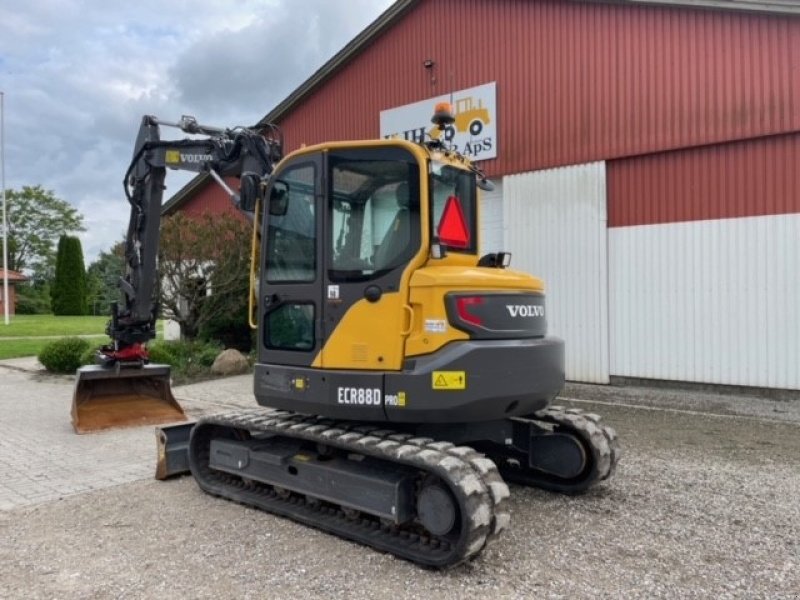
[
  {"x": 279, "y": 198},
  {"x": 249, "y": 188}
]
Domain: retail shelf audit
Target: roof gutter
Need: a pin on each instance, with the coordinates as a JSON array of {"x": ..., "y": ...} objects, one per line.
[{"x": 781, "y": 7}]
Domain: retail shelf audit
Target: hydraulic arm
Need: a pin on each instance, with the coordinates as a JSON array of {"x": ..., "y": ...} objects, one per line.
[
  {"x": 123, "y": 390},
  {"x": 240, "y": 152}
]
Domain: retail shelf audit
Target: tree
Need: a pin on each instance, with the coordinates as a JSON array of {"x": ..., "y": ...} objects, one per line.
[
  {"x": 102, "y": 279},
  {"x": 202, "y": 258},
  {"x": 69, "y": 287},
  {"x": 33, "y": 298},
  {"x": 36, "y": 219}
]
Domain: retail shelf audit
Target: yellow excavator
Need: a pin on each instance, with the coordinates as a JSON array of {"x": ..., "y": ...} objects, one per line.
[{"x": 401, "y": 377}]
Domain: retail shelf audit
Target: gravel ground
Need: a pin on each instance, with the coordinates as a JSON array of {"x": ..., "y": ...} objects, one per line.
[{"x": 702, "y": 506}]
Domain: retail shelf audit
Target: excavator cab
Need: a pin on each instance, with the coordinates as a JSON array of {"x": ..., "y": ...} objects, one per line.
[{"x": 372, "y": 290}]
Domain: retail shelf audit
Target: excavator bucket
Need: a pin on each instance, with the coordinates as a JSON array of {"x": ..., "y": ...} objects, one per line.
[
  {"x": 108, "y": 398},
  {"x": 172, "y": 448}
]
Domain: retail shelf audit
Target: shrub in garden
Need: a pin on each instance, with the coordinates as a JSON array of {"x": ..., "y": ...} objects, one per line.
[
  {"x": 165, "y": 353},
  {"x": 63, "y": 355},
  {"x": 183, "y": 355},
  {"x": 89, "y": 357}
]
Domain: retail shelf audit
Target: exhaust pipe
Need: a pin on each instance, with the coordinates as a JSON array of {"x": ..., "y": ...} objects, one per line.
[{"x": 110, "y": 398}]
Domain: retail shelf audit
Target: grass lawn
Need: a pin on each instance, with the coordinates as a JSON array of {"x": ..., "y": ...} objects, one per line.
[
  {"x": 50, "y": 325},
  {"x": 45, "y": 328},
  {"x": 20, "y": 348}
]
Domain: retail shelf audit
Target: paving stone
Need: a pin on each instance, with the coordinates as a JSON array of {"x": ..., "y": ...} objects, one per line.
[{"x": 41, "y": 457}]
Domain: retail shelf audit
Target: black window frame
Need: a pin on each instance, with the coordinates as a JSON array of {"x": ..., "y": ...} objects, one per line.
[
  {"x": 387, "y": 154},
  {"x": 470, "y": 213}
]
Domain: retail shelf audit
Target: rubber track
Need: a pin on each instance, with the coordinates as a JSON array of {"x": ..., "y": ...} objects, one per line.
[
  {"x": 602, "y": 438},
  {"x": 474, "y": 480},
  {"x": 600, "y": 441}
]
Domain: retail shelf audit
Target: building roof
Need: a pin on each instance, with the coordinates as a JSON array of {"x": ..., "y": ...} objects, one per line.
[
  {"x": 395, "y": 12},
  {"x": 12, "y": 275}
]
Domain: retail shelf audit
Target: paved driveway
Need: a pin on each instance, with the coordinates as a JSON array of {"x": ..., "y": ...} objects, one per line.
[{"x": 41, "y": 457}]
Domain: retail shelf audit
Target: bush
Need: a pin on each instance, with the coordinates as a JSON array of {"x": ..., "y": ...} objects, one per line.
[
  {"x": 232, "y": 331},
  {"x": 164, "y": 353},
  {"x": 63, "y": 355},
  {"x": 184, "y": 355},
  {"x": 33, "y": 299},
  {"x": 89, "y": 357}
]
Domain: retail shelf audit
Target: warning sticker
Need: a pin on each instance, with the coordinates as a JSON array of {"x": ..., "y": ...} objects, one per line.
[{"x": 449, "y": 380}]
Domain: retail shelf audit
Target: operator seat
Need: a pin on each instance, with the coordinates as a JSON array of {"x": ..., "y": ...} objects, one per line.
[{"x": 396, "y": 241}]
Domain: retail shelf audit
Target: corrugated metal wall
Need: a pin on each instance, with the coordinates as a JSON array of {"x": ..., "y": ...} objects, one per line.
[
  {"x": 492, "y": 219},
  {"x": 557, "y": 231},
  {"x": 576, "y": 82},
  {"x": 742, "y": 179},
  {"x": 704, "y": 264},
  {"x": 712, "y": 301}
]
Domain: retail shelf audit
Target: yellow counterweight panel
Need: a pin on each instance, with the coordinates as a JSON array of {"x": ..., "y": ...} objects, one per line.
[
  {"x": 431, "y": 330},
  {"x": 429, "y": 285},
  {"x": 446, "y": 276}
]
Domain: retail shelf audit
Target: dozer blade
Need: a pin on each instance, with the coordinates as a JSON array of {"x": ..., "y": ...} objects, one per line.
[
  {"x": 107, "y": 398},
  {"x": 172, "y": 446}
]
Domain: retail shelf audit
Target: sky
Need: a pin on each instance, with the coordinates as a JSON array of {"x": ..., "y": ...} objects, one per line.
[{"x": 77, "y": 77}]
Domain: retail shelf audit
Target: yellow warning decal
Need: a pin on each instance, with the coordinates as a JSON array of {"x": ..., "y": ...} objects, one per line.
[
  {"x": 172, "y": 156},
  {"x": 449, "y": 380}
]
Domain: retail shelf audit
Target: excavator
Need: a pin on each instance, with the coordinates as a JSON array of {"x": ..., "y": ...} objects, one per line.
[{"x": 402, "y": 378}]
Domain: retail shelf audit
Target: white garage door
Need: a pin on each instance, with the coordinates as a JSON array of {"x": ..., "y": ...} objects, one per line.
[
  {"x": 556, "y": 229},
  {"x": 492, "y": 219}
]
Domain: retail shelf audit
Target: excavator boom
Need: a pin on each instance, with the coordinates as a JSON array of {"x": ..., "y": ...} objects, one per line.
[{"x": 123, "y": 389}]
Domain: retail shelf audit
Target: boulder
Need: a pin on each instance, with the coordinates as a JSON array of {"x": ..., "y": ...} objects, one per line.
[{"x": 230, "y": 362}]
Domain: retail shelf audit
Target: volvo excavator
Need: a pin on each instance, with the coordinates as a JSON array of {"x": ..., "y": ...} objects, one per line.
[{"x": 401, "y": 377}]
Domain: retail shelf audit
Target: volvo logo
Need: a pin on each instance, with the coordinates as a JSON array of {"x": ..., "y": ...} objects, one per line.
[
  {"x": 196, "y": 158},
  {"x": 525, "y": 310}
]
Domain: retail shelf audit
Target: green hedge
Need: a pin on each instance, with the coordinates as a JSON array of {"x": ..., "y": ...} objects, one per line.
[
  {"x": 64, "y": 355},
  {"x": 183, "y": 354}
]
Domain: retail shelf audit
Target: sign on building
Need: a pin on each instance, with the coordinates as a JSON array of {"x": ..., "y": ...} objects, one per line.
[{"x": 474, "y": 132}]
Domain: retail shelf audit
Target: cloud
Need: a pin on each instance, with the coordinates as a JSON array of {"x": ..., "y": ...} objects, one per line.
[{"x": 78, "y": 76}]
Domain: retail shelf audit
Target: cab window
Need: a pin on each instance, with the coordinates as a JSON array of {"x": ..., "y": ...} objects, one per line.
[
  {"x": 374, "y": 216},
  {"x": 454, "y": 207},
  {"x": 291, "y": 234}
]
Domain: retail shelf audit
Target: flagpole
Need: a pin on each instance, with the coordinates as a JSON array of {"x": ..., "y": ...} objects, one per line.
[{"x": 5, "y": 220}]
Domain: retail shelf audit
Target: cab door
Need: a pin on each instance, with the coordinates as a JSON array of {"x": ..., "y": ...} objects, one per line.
[
  {"x": 373, "y": 231},
  {"x": 290, "y": 289}
]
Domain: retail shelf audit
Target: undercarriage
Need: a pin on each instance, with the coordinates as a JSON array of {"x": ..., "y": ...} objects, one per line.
[{"x": 434, "y": 495}]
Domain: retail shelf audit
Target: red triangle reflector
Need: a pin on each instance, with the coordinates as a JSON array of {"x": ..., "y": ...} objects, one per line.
[{"x": 453, "y": 230}]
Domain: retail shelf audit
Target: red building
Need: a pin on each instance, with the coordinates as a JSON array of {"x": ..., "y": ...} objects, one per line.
[
  {"x": 13, "y": 278},
  {"x": 645, "y": 155}
]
